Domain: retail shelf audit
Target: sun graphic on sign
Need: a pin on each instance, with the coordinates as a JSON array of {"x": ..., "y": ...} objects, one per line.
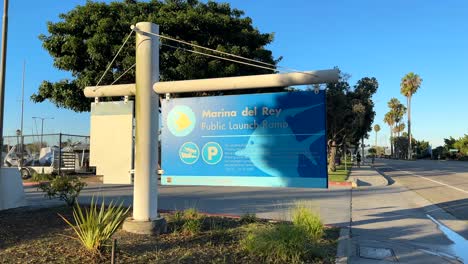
[{"x": 181, "y": 120}]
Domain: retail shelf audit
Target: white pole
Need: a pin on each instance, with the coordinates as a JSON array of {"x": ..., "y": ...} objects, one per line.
[
  {"x": 145, "y": 191},
  {"x": 22, "y": 115},
  {"x": 247, "y": 82},
  {"x": 217, "y": 84},
  {"x": 3, "y": 68}
]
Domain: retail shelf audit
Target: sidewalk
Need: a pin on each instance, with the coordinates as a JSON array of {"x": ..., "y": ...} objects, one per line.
[{"x": 390, "y": 224}]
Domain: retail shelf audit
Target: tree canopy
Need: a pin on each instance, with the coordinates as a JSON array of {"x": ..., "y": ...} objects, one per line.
[
  {"x": 86, "y": 38},
  {"x": 397, "y": 109},
  {"x": 350, "y": 113},
  {"x": 462, "y": 145},
  {"x": 376, "y": 128},
  {"x": 410, "y": 84}
]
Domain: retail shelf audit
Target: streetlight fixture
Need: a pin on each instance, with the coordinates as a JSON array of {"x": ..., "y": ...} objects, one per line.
[{"x": 42, "y": 124}]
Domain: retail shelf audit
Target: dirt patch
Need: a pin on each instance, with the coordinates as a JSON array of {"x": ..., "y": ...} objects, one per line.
[{"x": 41, "y": 236}]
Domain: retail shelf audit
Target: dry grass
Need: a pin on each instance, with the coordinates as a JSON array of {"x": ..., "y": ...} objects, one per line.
[{"x": 39, "y": 236}]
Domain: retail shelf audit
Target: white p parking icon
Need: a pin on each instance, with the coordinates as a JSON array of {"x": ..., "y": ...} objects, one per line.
[{"x": 212, "y": 153}]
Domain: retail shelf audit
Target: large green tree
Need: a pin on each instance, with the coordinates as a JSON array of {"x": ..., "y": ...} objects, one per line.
[
  {"x": 350, "y": 114},
  {"x": 339, "y": 118},
  {"x": 462, "y": 145},
  {"x": 449, "y": 143},
  {"x": 86, "y": 38},
  {"x": 410, "y": 84}
]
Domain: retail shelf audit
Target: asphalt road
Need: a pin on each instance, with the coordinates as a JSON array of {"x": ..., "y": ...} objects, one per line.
[
  {"x": 332, "y": 204},
  {"x": 444, "y": 183}
]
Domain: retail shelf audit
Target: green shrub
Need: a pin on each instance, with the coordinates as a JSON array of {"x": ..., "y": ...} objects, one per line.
[
  {"x": 193, "y": 221},
  {"x": 189, "y": 221},
  {"x": 310, "y": 222},
  {"x": 248, "y": 218},
  {"x": 66, "y": 188},
  {"x": 39, "y": 177},
  {"x": 177, "y": 220},
  {"x": 284, "y": 243},
  {"x": 191, "y": 213},
  {"x": 192, "y": 226},
  {"x": 95, "y": 226}
]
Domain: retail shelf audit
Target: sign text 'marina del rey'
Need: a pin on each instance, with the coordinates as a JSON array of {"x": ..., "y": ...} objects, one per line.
[{"x": 274, "y": 139}]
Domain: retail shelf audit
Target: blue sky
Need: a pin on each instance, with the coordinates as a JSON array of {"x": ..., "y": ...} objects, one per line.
[{"x": 382, "y": 39}]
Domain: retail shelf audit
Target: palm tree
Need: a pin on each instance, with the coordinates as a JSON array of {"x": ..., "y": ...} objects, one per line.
[
  {"x": 393, "y": 103},
  {"x": 399, "y": 128},
  {"x": 390, "y": 120},
  {"x": 376, "y": 129},
  {"x": 410, "y": 84},
  {"x": 398, "y": 110}
]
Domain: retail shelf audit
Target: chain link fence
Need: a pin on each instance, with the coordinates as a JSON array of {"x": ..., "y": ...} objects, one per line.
[{"x": 47, "y": 153}]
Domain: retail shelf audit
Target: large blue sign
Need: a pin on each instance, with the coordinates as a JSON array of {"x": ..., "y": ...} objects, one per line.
[{"x": 275, "y": 139}]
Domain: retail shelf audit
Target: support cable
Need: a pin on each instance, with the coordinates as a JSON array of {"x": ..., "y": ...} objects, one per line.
[
  {"x": 220, "y": 52},
  {"x": 219, "y": 57},
  {"x": 272, "y": 67},
  {"x": 118, "y": 52},
  {"x": 125, "y": 72}
]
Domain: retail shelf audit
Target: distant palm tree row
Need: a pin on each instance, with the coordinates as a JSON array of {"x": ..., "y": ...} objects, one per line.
[{"x": 409, "y": 85}]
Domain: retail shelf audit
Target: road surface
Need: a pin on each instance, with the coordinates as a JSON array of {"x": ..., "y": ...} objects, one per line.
[
  {"x": 332, "y": 204},
  {"x": 444, "y": 183}
]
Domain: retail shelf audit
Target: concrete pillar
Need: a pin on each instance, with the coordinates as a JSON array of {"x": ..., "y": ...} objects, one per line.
[{"x": 145, "y": 218}]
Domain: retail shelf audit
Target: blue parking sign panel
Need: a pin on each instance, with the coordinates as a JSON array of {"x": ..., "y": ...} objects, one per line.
[{"x": 266, "y": 140}]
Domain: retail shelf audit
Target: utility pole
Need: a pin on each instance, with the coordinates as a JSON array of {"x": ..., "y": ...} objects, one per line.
[
  {"x": 42, "y": 124},
  {"x": 3, "y": 68},
  {"x": 22, "y": 115}
]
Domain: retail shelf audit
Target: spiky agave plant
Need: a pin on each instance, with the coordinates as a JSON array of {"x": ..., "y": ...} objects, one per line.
[{"x": 96, "y": 225}]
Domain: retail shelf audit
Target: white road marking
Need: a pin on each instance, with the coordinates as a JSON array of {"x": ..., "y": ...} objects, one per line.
[
  {"x": 441, "y": 183},
  {"x": 459, "y": 243}
]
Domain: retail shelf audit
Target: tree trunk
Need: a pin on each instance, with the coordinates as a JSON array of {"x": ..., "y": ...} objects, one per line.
[
  {"x": 331, "y": 160},
  {"x": 362, "y": 147},
  {"x": 391, "y": 143},
  {"x": 409, "y": 127},
  {"x": 376, "y": 140}
]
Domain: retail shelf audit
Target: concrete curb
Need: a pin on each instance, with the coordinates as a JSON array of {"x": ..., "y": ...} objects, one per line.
[
  {"x": 366, "y": 181},
  {"x": 33, "y": 184},
  {"x": 330, "y": 183},
  {"x": 344, "y": 246},
  {"x": 389, "y": 179},
  {"x": 346, "y": 183}
]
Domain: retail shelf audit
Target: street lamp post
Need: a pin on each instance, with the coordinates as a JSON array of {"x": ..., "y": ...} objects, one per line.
[
  {"x": 3, "y": 67},
  {"x": 42, "y": 124}
]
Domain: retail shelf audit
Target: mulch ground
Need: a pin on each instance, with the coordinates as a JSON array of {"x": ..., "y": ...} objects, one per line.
[{"x": 41, "y": 236}]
